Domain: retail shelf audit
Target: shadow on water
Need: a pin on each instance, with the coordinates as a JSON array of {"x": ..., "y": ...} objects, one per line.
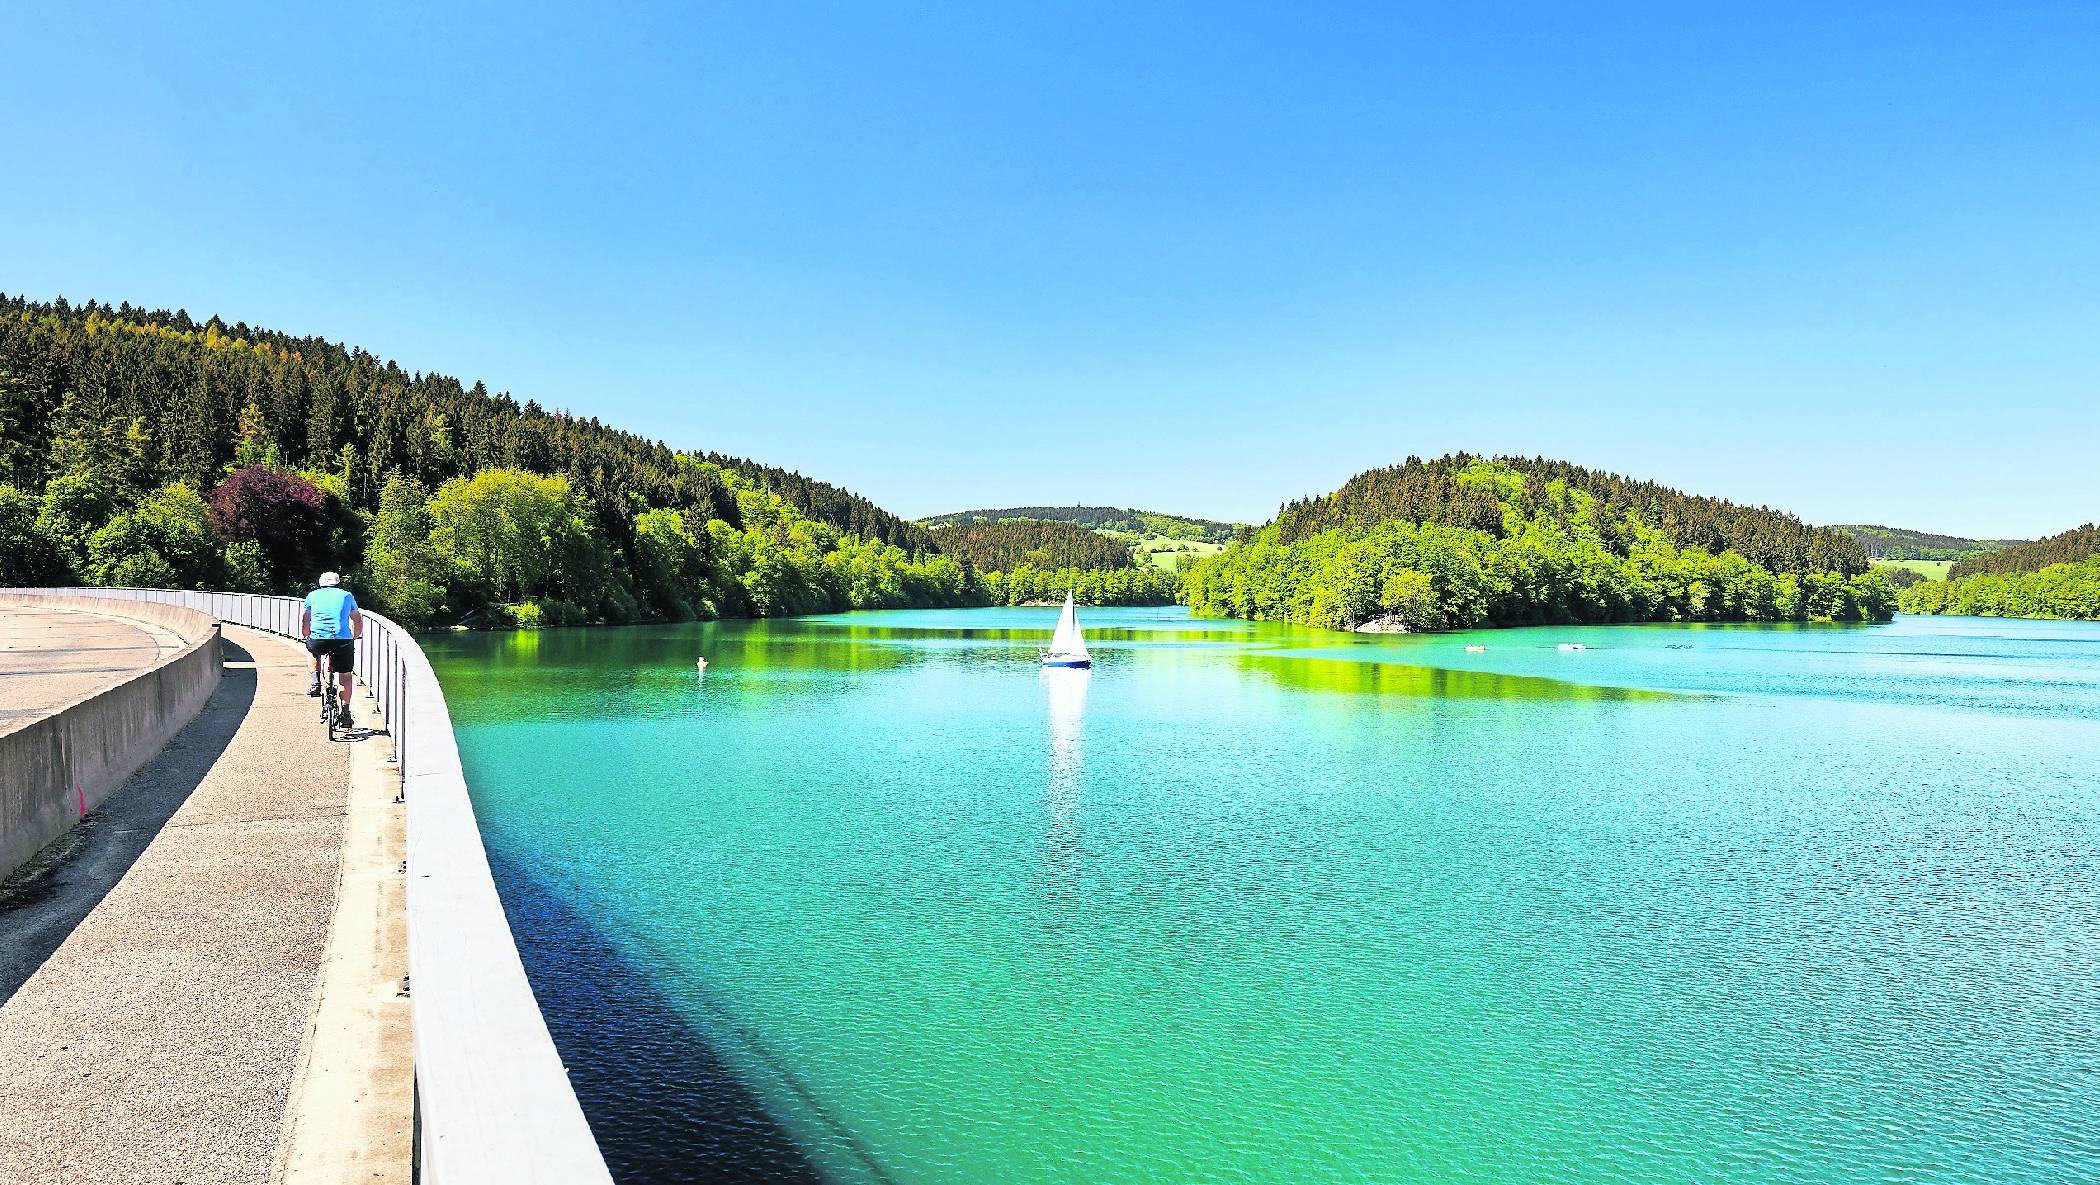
[{"x": 664, "y": 1106}]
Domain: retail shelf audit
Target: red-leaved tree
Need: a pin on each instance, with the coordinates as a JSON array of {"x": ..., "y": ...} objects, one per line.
[{"x": 284, "y": 515}]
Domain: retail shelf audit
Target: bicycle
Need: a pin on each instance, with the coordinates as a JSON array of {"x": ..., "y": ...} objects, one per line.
[{"x": 330, "y": 696}]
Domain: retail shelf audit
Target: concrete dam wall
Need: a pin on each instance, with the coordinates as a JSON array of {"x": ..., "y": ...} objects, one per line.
[{"x": 62, "y": 765}]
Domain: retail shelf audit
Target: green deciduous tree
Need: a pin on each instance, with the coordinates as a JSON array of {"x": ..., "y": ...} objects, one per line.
[
  {"x": 503, "y": 532},
  {"x": 403, "y": 571},
  {"x": 165, "y": 541},
  {"x": 28, "y": 556},
  {"x": 73, "y": 507}
]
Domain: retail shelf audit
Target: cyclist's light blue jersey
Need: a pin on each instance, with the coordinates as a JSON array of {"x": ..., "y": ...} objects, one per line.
[{"x": 330, "y": 609}]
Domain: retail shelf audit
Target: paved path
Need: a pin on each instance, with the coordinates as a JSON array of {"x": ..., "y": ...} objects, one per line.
[
  {"x": 158, "y": 967},
  {"x": 53, "y": 657}
]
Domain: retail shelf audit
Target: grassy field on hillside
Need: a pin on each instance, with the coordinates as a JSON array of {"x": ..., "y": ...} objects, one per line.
[
  {"x": 1162, "y": 552},
  {"x": 1930, "y": 569}
]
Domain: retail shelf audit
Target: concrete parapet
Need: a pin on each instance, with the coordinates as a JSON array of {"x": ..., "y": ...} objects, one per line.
[{"x": 57, "y": 768}]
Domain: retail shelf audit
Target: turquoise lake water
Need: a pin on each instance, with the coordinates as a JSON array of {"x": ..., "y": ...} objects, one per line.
[{"x": 875, "y": 899}]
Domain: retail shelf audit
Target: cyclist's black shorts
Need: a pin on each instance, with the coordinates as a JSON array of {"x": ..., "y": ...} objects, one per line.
[{"x": 341, "y": 652}]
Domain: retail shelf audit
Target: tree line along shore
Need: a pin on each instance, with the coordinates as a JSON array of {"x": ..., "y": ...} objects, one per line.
[
  {"x": 2057, "y": 577},
  {"x": 148, "y": 448}
]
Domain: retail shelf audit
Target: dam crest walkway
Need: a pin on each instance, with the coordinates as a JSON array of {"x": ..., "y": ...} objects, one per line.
[{"x": 214, "y": 955}]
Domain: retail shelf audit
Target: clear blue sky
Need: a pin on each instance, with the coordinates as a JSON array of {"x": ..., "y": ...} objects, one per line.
[{"x": 1842, "y": 259}]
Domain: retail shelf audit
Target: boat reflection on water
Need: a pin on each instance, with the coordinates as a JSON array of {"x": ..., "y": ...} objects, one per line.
[{"x": 1066, "y": 689}]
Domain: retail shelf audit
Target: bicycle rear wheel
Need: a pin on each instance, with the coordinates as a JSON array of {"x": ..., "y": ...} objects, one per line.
[{"x": 328, "y": 697}]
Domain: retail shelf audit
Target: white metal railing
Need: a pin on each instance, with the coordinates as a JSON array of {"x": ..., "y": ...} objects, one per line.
[{"x": 493, "y": 1100}]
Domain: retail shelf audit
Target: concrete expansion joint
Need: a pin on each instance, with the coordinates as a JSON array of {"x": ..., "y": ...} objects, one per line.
[{"x": 241, "y": 820}]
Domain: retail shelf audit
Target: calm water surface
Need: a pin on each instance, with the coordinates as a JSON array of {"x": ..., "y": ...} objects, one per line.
[{"x": 876, "y": 900}]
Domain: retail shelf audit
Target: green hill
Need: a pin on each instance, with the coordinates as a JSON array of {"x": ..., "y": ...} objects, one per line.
[
  {"x": 1164, "y": 541},
  {"x": 1030, "y": 561},
  {"x": 1100, "y": 518},
  {"x": 2056, "y": 577},
  {"x": 150, "y": 447},
  {"x": 1896, "y": 543},
  {"x": 188, "y": 383},
  {"x": 2069, "y": 547},
  {"x": 1451, "y": 491},
  {"x": 1005, "y": 544},
  {"x": 1464, "y": 541}
]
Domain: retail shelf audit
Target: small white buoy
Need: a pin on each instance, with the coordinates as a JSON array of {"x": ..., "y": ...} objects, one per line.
[
  {"x": 1571, "y": 646},
  {"x": 1475, "y": 648}
]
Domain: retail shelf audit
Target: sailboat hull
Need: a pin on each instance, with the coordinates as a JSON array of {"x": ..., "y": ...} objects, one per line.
[{"x": 1068, "y": 662}]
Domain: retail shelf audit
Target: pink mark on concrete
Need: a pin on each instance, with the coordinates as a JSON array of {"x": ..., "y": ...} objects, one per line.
[{"x": 82, "y": 796}]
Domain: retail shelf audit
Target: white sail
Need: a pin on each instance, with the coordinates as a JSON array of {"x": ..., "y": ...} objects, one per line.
[{"x": 1068, "y": 644}]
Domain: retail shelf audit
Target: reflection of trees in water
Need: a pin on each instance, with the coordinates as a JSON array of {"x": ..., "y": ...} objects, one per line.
[
  {"x": 588, "y": 671},
  {"x": 1350, "y": 675}
]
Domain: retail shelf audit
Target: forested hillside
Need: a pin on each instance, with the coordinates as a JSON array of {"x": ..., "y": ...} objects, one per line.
[
  {"x": 150, "y": 448},
  {"x": 2070, "y": 547},
  {"x": 2067, "y": 590},
  {"x": 1003, "y": 545},
  {"x": 1450, "y": 492},
  {"x": 179, "y": 398},
  {"x": 1025, "y": 561},
  {"x": 1896, "y": 543},
  {"x": 1099, "y": 518},
  {"x": 2054, "y": 577},
  {"x": 1462, "y": 542}
]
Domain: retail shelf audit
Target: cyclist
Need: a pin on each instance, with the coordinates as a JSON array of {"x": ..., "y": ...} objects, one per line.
[{"x": 332, "y": 625}]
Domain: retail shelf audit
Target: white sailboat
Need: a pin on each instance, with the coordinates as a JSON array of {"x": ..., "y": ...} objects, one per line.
[{"x": 1067, "y": 645}]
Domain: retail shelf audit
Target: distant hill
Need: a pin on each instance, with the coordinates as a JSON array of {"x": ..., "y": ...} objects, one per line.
[
  {"x": 1100, "y": 518},
  {"x": 2078, "y": 543},
  {"x": 1895, "y": 543},
  {"x": 1001, "y": 545},
  {"x": 1464, "y": 541},
  {"x": 1457, "y": 491}
]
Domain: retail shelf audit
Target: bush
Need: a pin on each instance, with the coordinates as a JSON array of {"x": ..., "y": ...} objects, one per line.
[{"x": 246, "y": 568}]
